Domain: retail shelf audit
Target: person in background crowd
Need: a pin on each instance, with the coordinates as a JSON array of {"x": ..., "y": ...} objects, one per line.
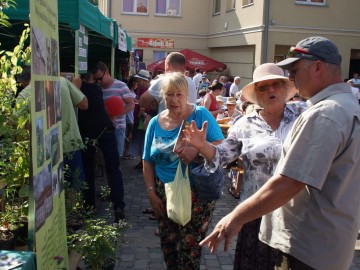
[
  {"x": 239, "y": 99},
  {"x": 315, "y": 184},
  {"x": 140, "y": 114},
  {"x": 355, "y": 90},
  {"x": 220, "y": 102},
  {"x": 204, "y": 83},
  {"x": 197, "y": 78},
  {"x": 231, "y": 111},
  {"x": 209, "y": 101},
  {"x": 24, "y": 79},
  {"x": 202, "y": 94},
  {"x": 132, "y": 85},
  {"x": 95, "y": 125},
  {"x": 180, "y": 244},
  {"x": 174, "y": 62},
  {"x": 355, "y": 80},
  {"x": 72, "y": 142},
  {"x": 223, "y": 80},
  {"x": 234, "y": 88},
  {"x": 227, "y": 86},
  {"x": 114, "y": 87},
  {"x": 257, "y": 139}
]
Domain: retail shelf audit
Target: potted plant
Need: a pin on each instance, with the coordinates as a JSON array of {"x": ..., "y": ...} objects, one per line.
[
  {"x": 76, "y": 211},
  {"x": 9, "y": 227},
  {"x": 97, "y": 242},
  {"x": 7, "y": 240}
]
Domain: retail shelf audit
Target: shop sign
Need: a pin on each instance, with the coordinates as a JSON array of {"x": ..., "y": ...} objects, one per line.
[{"x": 159, "y": 43}]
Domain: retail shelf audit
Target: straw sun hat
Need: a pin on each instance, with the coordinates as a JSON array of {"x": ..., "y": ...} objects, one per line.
[{"x": 264, "y": 72}]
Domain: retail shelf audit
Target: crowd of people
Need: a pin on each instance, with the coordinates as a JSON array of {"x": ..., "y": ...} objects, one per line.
[{"x": 297, "y": 138}]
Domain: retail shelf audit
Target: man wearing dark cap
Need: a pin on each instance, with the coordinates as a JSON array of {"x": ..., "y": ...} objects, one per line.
[{"x": 314, "y": 193}]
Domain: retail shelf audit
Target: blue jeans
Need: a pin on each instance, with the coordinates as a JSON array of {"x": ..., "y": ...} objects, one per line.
[
  {"x": 106, "y": 142},
  {"x": 120, "y": 138}
]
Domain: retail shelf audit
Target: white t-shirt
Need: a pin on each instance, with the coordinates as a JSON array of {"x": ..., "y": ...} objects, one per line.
[
  {"x": 355, "y": 92},
  {"x": 233, "y": 89},
  {"x": 197, "y": 79}
]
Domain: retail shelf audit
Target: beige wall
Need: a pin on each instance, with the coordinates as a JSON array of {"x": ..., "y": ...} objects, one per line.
[{"x": 236, "y": 37}]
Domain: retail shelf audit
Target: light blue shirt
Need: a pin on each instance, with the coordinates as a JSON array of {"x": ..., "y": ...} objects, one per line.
[{"x": 159, "y": 143}]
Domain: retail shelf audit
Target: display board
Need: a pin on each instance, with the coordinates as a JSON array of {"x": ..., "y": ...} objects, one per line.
[{"x": 48, "y": 208}]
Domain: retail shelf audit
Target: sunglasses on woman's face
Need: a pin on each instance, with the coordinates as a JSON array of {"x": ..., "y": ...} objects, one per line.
[{"x": 275, "y": 85}]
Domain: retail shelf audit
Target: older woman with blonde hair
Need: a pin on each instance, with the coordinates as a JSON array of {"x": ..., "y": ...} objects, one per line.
[
  {"x": 256, "y": 138},
  {"x": 180, "y": 244}
]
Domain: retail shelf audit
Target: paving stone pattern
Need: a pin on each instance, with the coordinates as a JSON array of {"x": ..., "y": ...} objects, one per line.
[{"x": 142, "y": 249}]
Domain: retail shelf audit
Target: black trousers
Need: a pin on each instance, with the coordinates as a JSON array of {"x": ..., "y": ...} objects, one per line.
[
  {"x": 287, "y": 262},
  {"x": 108, "y": 145}
]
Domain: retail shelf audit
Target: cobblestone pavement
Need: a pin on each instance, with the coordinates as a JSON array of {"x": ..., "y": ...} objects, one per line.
[{"x": 142, "y": 250}]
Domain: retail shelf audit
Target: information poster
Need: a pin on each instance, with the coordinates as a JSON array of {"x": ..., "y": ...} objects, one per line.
[
  {"x": 83, "y": 49},
  {"x": 48, "y": 209}
]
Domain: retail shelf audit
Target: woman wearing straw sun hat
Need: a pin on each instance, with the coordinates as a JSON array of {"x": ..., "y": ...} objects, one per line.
[{"x": 256, "y": 138}]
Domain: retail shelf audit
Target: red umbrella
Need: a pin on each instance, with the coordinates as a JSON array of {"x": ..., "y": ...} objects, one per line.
[
  {"x": 159, "y": 65},
  {"x": 193, "y": 60}
]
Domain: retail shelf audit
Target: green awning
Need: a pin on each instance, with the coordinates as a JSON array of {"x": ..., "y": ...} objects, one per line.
[{"x": 72, "y": 13}]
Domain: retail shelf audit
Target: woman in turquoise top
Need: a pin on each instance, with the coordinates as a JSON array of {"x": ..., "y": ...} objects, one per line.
[{"x": 180, "y": 244}]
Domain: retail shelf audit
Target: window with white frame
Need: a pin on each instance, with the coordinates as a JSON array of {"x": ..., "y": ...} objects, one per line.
[
  {"x": 247, "y": 2},
  {"x": 217, "y": 5},
  {"x": 168, "y": 7},
  {"x": 230, "y": 5},
  {"x": 135, "y": 6},
  {"x": 311, "y": 2},
  {"x": 158, "y": 55}
]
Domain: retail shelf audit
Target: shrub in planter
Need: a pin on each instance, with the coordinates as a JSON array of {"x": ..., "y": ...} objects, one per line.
[{"x": 97, "y": 242}]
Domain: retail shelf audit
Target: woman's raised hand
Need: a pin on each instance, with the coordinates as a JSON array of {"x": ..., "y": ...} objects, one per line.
[{"x": 196, "y": 137}]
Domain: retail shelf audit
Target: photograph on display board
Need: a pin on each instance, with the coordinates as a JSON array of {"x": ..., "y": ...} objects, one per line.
[
  {"x": 57, "y": 101},
  {"x": 55, "y": 183},
  {"x": 60, "y": 171},
  {"x": 39, "y": 96},
  {"x": 48, "y": 57},
  {"x": 48, "y": 146},
  {"x": 39, "y": 51},
  {"x": 54, "y": 58},
  {"x": 55, "y": 146},
  {"x": 42, "y": 191},
  {"x": 40, "y": 141},
  {"x": 50, "y": 103}
]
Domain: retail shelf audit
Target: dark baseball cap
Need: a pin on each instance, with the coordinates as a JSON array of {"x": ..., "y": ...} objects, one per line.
[{"x": 313, "y": 48}]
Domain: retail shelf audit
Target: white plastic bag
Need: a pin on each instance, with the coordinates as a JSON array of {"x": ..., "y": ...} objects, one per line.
[{"x": 178, "y": 197}]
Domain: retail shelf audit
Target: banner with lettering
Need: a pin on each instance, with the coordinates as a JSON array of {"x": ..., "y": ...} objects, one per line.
[{"x": 158, "y": 43}]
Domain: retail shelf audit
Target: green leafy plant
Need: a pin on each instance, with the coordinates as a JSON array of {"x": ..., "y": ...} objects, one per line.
[
  {"x": 14, "y": 150},
  {"x": 76, "y": 211},
  {"x": 105, "y": 192},
  {"x": 98, "y": 240},
  {"x": 3, "y": 18},
  {"x": 14, "y": 137}
]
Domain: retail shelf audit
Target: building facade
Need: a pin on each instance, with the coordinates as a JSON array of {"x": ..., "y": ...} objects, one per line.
[{"x": 240, "y": 33}]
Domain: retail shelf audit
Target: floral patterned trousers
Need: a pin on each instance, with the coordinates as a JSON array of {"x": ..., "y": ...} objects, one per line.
[{"x": 180, "y": 244}]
